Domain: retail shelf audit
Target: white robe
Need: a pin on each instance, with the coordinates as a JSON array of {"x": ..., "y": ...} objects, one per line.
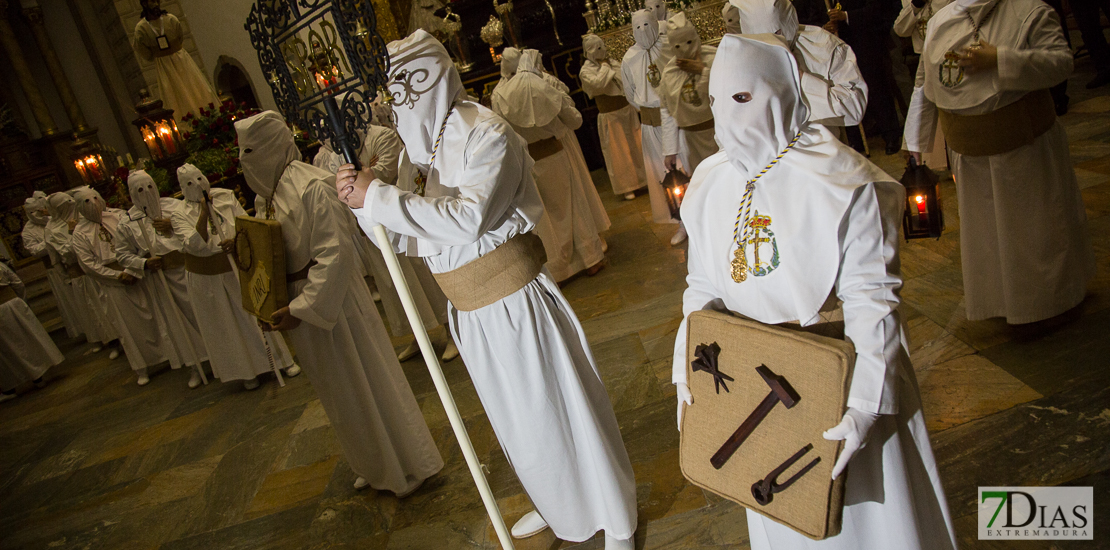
[
  {"x": 342, "y": 343},
  {"x": 834, "y": 88},
  {"x": 527, "y": 355},
  {"x": 1024, "y": 245},
  {"x": 384, "y": 147},
  {"x": 182, "y": 85},
  {"x": 894, "y": 498},
  {"x": 86, "y": 307},
  {"x": 694, "y": 146},
  {"x": 231, "y": 336},
  {"x": 130, "y": 308},
  {"x": 911, "y": 20},
  {"x": 34, "y": 241},
  {"x": 571, "y": 237},
  {"x": 656, "y": 141},
  {"x": 619, "y": 131},
  {"x": 169, "y": 290},
  {"x": 26, "y": 350}
]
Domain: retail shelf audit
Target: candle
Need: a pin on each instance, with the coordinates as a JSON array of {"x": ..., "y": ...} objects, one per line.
[
  {"x": 130, "y": 161},
  {"x": 166, "y": 137},
  {"x": 151, "y": 143}
]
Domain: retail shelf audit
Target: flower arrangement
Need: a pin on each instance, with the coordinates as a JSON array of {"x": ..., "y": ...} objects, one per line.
[{"x": 212, "y": 143}]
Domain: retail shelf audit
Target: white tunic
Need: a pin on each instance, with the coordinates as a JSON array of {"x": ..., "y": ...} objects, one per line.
[
  {"x": 656, "y": 141},
  {"x": 894, "y": 498},
  {"x": 130, "y": 308},
  {"x": 913, "y": 22},
  {"x": 342, "y": 343},
  {"x": 182, "y": 85},
  {"x": 619, "y": 131},
  {"x": 85, "y": 305},
  {"x": 232, "y": 337},
  {"x": 1024, "y": 245},
  {"x": 833, "y": 86},
  {"x": 571, "y": 237},
  {"x": 527, "y": 355},
  {"x": 135, "y": 238},
  {"x": 34, "y": 241},
  {"x": 694, "y": 146},
  {"x": 26, "y": 350}
]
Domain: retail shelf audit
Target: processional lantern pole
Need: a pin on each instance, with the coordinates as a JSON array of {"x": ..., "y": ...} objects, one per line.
[{"x": 329, "y": 53}]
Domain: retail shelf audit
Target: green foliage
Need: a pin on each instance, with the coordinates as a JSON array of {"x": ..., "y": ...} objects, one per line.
[{"x": 160, "y": 176}]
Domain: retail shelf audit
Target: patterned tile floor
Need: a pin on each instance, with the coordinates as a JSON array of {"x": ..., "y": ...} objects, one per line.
[{"x": 94, "y": 461}]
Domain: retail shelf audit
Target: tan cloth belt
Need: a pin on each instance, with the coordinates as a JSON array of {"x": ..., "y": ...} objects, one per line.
[
  {"x": 1002, "y": 130},
  {"x": 7, "y": 293},
  {"x": 173, "y": 260},
  {"x": 610, "y": 103},
  {"x": 301, "y": 275},
  {"x": 215, "y": 264},
  {"x": 496, "y": 275},
  {"x": 74, "y": 271},
  {"x": 707, "y": 125},
  {"x": 651, "y": 116},
  {"x": 544, "y": 148}
]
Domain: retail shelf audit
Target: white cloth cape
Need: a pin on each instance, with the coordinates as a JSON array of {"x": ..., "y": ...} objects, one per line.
[
  {"x": 527, "y": 347},
  {"x": 26, "y": 350},
  {"x": 1023, "y": 228},
  {"x": 231, "y": 336},
  {"x": 342, "y": 343},
  {"x": 618, "y": 131},
  {"x": 182, "y": 85}
]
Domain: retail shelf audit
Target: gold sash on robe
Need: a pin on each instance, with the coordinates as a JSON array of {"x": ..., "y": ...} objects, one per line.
[{"x": 651, "y": 116}]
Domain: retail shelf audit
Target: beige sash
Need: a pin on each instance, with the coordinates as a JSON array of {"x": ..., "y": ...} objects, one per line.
[
  {"x": 610, "y": 103},
  {"x": 651, "y": 116},
  {"x": 496, "y": 275},
  {"x": 544, "y": 148},
  {"x": 1002, "y": 130},
  {"x": 215, "y": 264}
]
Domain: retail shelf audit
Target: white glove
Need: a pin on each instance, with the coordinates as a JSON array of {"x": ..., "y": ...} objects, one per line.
[
  {"x": 684, "y": 397},
  {"x": 854, "y": 430}
]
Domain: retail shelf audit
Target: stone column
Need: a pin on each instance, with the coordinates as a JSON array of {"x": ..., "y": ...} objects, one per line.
[
  {"x": 61, "y": 82},
  {"x": 24, "y": 75}
]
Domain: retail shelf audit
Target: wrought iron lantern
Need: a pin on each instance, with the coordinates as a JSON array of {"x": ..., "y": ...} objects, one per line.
[
  {"x": 675, "y": 184},
  {"x": 89, "y": 161},
  {"x": 326, "y": 63},
  {"x": 159, "y": 130},
  {"x": 923, "y": 217}
]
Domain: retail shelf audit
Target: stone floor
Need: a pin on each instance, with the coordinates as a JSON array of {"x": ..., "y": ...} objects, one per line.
[{"x": 94, "y": 461}]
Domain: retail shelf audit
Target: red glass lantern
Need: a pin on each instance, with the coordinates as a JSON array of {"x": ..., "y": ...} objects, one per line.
[{"x": 675, "y": 184}]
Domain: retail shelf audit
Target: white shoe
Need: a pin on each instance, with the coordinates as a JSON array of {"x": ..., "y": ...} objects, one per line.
[
  {"x": 529, "y": 526},
  {"x": 679, "y": 235},
  {"x": 194, "y": 380},
  {"x": 97, "y": 348},
  {"x": 411, "y": 491},
  {"x": 620, "y": 544},
  {"x": 377, "y": 296},
  {"x": 292, "y": 371},
  {"x": 144, "y": 379},
  {"x": 629, "y": 196},
  {"x": 451, "y": 352},
  {"x": 361, "y": 484},
  {"x": 409, "y": 352},
  {"x": 7, "y": 396},
  {"x": 114, "y": 354},
  {"x": 251, "y": 384}
]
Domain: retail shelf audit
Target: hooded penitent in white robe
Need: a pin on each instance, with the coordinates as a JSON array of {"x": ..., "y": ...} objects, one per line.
[
  {"x": 1023, "y": 228},
  {"x": 833, "y": 220},
  {"x": 687, "y": 95},
  {"x": 538, "y": 112},
  {"x": 831, "y": 81},
  {"x": 130, "y": 307},
  {"x": 642, "y": 73},
  {"x": 381, "y": 151},
  {"x": 341, "y": 341},
  {"x": 136, "y": 242},
  {"x": 526, "y": 353},
  {"x": 34, "y": 241},
  {"x": 618, "y": 129},
  {"x": 232, "y": 336},
  {"x": 85, "y": 307},
  {"x": 181, "y": 84},
  {"x": 731, "y": 16},
  {"x": 913, "y": 21},
  {"x": 26, "y": 350}
]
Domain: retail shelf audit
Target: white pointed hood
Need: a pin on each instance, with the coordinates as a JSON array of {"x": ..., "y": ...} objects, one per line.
[
  {"x": 90, "y": 205},
  {"x": 425, "y": 85},
  {"x": 594, "y": 47},
  {"x": 645, "y": 31},
  {"x": 682, "y": 37},
  {"x": 62, "y": 208},
  {"x": 527, "y": 101},
  {"x": 510, "y": 57},
  {"x": 144, "y": 194},
  {"x": 658, "y": 9},
  {"x": 193, "y": 183},
  {"x": 34, "y": 206},
  {"x": 266, "y": 148},
  {"x": 731, "y": 16},
  {"x": 768, "y": 17}
]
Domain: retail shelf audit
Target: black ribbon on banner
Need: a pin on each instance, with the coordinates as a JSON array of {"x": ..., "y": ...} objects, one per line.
[{"x": 706, "y": 361}]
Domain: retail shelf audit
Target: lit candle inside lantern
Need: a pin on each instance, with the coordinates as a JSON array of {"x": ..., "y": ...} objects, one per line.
[
  {"x": 165, "y": 135},
  {"x": 80, "y": 164},
  {"x": 151, "y": 143}
]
